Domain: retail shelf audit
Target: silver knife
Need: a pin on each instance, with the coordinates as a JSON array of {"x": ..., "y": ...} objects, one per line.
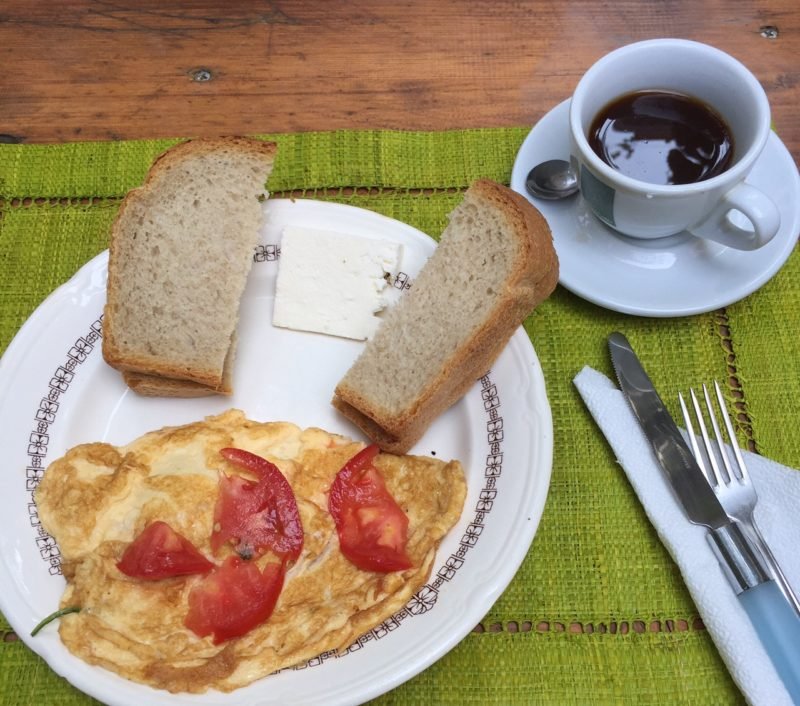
[{"x": 774, "y": 619}]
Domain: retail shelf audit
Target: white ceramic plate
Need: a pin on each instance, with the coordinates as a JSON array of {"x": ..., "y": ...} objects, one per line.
[
  {"x": 675, "y": 276},
  {"x": 56, "y": 391}
]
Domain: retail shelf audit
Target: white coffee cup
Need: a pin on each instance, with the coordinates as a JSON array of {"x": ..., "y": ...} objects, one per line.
[{"x": 707, "y": 209}]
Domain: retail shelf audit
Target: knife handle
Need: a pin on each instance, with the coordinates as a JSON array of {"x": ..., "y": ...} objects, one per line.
[
  {"x": 774, "y": 619},
  {"x": 778, "y": 628}
]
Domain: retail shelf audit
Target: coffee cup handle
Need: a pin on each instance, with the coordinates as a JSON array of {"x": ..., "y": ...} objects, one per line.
[{"x": 756, "y": 206}]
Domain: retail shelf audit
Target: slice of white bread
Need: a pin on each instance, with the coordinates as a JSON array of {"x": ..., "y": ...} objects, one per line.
[
  {"x": 180, "y": 252},
  {"x": 494, "y": 263},
  {"x": 158, "y": 386}
]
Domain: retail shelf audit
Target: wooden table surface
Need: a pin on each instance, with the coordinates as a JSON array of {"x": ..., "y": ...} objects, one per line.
[{"x": 110, "y": 70}]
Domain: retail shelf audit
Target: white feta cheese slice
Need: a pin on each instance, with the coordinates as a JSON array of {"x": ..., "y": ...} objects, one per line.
[{"x": 331, "y": 282}]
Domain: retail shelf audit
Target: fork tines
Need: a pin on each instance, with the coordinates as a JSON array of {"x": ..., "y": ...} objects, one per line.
[{"x": 714, "y": 454}]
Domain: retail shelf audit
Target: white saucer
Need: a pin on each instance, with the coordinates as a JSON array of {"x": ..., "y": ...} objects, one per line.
[{"x": 675, "y": 276}]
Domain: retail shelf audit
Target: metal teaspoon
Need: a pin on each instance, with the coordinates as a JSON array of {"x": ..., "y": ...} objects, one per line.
[{"x": 553, "y": 179}]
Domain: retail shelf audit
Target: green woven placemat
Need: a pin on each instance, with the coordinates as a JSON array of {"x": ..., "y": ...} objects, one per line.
[{"x": 597, "y": 612}]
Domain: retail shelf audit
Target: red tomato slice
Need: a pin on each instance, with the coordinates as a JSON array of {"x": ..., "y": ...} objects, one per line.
[
  {"x": 233, "y": 599},
  {"x": 257, "y": 515},
  {"x": 159, "y": 552},
  {"x": 372, "y": 527}
]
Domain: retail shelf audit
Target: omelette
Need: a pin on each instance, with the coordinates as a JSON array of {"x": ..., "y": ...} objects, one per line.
[{"x": 98, "y": 498}]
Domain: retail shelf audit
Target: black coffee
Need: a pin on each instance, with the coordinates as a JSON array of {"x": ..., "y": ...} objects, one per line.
[{"x": 662, "y": 138}]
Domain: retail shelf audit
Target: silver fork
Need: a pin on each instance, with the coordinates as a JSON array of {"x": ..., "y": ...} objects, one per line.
[{"x": 734, "y": 488}]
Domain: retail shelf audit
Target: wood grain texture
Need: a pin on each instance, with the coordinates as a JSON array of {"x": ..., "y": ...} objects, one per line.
[{"x": 80, "y": 70}]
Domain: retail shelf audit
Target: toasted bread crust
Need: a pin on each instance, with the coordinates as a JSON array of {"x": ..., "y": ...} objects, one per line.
[
  {"x": 115, "y": 353},
  {"x": 532, "y": 280}
]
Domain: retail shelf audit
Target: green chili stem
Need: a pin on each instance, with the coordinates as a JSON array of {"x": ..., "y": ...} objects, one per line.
[{"x": 50, "y": 618}]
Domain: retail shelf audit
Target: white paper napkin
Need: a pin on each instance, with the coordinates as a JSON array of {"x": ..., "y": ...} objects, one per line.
[{"x": 778, "y": 490}]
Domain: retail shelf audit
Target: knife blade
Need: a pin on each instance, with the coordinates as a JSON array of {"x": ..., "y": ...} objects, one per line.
[
  {"x": 772, "y": 616},
  {"x": 673, "y": 453}
]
